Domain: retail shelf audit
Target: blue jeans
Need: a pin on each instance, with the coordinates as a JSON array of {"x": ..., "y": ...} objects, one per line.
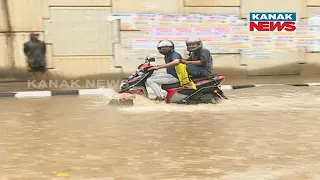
[{"x": 197, "y": 72}]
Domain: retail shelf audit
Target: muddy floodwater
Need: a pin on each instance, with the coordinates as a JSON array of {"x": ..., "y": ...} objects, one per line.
[{"x": 265, "y": 133}]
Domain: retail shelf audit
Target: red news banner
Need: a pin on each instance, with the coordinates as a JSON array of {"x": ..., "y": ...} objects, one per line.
[{"x": 269, "y": 21}]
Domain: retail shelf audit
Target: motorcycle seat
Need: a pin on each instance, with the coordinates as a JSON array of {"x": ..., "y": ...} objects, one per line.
[
  {"x": 176, "y": 85},
  {"x": 204, "y": 78},
  {"x": 169, "y": 86},
  {"x": 199, "y": 79}
]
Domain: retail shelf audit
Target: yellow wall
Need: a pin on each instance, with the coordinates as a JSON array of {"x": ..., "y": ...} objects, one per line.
[{"x": 115, "y": 47}]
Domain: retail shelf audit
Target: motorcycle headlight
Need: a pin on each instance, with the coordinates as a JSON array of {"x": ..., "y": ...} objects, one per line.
[{"x": 124, "y": 85}]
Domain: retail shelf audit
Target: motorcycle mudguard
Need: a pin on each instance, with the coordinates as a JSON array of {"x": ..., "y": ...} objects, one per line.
[
  {"x": 132, "y": 92},
  {"x": 184, "y": 95},
  {"x": 140, "y": 90},
  {"x": 175, "y": 97}
]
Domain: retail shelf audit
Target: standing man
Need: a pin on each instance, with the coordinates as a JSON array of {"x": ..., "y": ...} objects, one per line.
[{"x": 35, "y": 50}]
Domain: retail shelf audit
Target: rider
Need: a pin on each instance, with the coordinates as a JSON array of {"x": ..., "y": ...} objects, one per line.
[
  {"x": 199, "y": 64},
  {"x": 172, "y": 58}
]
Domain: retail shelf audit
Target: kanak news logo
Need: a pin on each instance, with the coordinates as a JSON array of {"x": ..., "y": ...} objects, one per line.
[{"x": 269, "y": 21}]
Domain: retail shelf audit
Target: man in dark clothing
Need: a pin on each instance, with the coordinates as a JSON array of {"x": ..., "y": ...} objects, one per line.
[
  {"x": 35, "y": 50},
  {"x": 199, "y": 64},
  {"x": 171, "y": 58}
]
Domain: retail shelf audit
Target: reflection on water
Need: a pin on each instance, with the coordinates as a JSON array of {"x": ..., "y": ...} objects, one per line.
[{"x": 258, "y": 133}]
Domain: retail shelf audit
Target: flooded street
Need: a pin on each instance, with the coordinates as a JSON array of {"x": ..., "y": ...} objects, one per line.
[{"x": 265, "y": 133}]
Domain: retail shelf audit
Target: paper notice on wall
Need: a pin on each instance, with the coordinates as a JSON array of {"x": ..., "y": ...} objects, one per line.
[
  {"x": 190, "y": 19},
  {"x": 314, "y": 20},
  {"x": 162, "y": 35},
  {"x": 183, "y": 29},
  {"x": 219, "y": 33},
  {"x": 261, "y": 42},
  {"x": 143, "y": 44},
  {"x": 239, "y": 41},
  {"x": 305, "y": 31},
  {"x": 113, "y": 16},
  {"x": 222, "y": 28},
  {"x": 144, "y": 26},
  {"x": 126, "y": 19},
  {"x": 203, "y": 28},
  {"x": 211, "y": 19},
  {"x": 305, "y": 36},
  {"x": 180, "y": 45},
  {"x": 284, "y": 43},
  {"x": 143, "y": 18},
  {"x": 256, "y": 54},
  {"x": 163, "y": 18},
  {"x": 218, "y": 44},
  {"x": 238, "y": 36},
  {"x": 163, "y": 27},
  {"x": 315, "y": 28},
  {"x": 240, "y": 27}
]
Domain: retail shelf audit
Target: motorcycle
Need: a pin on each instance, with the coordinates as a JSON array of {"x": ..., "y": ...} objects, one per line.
[{"x": 208, "y": 88}]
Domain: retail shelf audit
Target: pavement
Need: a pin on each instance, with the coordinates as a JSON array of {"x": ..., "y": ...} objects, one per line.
[{"x": 27, "y": 89}]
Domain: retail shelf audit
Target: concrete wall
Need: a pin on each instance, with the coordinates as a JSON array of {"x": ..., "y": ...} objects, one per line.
[{"x": 82, "y": 43}]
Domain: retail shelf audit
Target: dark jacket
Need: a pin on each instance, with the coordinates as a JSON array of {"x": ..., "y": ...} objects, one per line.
[
  {"x": 36, "y": 53},
  {"x": 205, "y": 56}
]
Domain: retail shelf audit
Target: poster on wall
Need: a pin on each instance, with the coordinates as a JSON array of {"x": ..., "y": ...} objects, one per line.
[
  {"x": 256, "y": 54},
  {"x": 143, "y": 44},
  {"x": 238, "y": 36},
  {"x": 314, "y": 23},
  {"x": 219, "y": 33},
  {"x": 284, "y": 43},
  {"x": 304, "y": 36},
  {"x": 126, "y": 19}
]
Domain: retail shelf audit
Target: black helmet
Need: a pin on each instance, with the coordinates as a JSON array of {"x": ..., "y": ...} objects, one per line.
[
  {"x": 193, "y": 40},
  {"x": 165, "y": 47}
]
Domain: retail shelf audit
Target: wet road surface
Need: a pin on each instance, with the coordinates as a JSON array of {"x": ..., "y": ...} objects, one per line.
[{"x": 266, "y": 133}]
